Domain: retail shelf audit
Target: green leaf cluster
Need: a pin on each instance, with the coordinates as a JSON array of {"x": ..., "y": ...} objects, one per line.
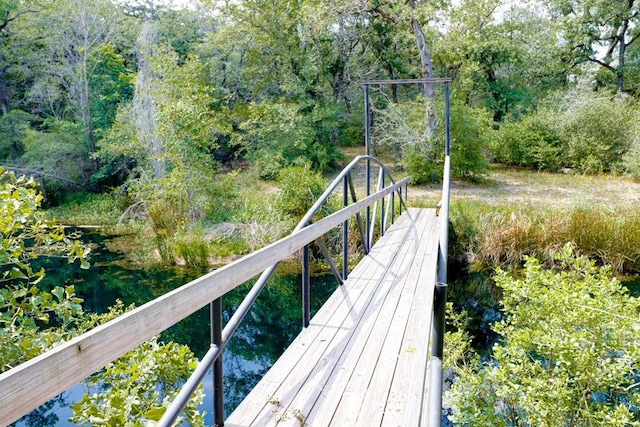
[{"x": 139, "y": 387}]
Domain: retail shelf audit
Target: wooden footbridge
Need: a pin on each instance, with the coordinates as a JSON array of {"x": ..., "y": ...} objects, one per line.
[
  {"x": 372, "y": 355},
  {"x": 362, "y": 361}
]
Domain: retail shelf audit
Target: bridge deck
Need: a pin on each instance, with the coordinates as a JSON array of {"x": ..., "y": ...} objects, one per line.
[{"x": 363, "y": 359}]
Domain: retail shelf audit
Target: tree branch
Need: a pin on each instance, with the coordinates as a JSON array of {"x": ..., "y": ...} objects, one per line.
[
  {"x": 602, "y": 63},
  {"x": 8, "y": 19}
]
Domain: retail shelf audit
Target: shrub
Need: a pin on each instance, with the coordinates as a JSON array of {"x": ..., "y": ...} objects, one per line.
[
  {"x": 596, "y": 129},
  {"x": 275, "y": 135},
  {"x": 568, "y": 355},
  {"x": 422, "y": 166},
  {"x": 402, "y": 127},
  {"x": 530, "y": 142},
  {"x": 300, "y": 187},
  {"x": 631, "y": 159},
  {"x": 590, "y": 132},
  {"x": 470, "y": 133}
]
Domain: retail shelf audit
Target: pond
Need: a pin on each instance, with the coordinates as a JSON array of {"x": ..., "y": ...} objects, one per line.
[{"x": 272, "y": 324}]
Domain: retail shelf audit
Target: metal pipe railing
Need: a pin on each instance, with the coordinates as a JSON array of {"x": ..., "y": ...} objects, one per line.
[
  {"x": 220, "y": 338},
  {"x": 440, "y": 297}
]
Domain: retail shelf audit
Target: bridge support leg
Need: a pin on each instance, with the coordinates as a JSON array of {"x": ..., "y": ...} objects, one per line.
[
  {"x": 434, "y": 412},
  {"x": 306, "y": 287},
  {"x": 218, "y": 374}
]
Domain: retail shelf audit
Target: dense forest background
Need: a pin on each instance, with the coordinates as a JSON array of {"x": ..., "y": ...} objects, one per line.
[{"x": 157, "y": 100}]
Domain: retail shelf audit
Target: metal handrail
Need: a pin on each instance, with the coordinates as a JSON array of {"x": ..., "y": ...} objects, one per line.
[
  {"x": 221, "y": 338},
  {"x": 24, "y": 387}
]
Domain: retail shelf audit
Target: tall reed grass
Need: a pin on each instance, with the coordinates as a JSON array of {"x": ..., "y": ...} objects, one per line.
[{"x": 491, "y": 235}]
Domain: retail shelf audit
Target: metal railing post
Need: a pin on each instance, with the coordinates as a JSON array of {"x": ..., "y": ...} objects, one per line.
[
  {"x": 367, "y": 140},
  {"x": 215, "y": 311},
  {"x": 345, "y": 229},
  {"x": 306, "y": 287},
  {"x": 382, "y": 213},
  {"x": 393, "y": 207},
  {"x": 437, "y": 352}
]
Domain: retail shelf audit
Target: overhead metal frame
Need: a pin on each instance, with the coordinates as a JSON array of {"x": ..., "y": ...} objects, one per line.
[{"x": 434, "y": 408}]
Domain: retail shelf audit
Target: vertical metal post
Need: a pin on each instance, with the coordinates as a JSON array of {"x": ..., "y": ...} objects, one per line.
[
  {"x": 367, "y": 141},
  {"x": 437, "y": 351},
  {"x": 393, "y": 207},
  {"x": 345, "y": 229},
  {"x": 447, "y": 92},
  {"x": 382, "y": 217},
  {"x": 306, "y": 287},
  {"x": 215, "y": 313}
]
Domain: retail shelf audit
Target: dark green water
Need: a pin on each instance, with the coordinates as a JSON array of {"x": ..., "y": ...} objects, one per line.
[{"x": 269, "y": 328}]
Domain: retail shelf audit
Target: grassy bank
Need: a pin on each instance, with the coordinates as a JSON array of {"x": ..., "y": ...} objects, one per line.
[
  {"x": 522, "y": 212},
  {"x": 512, "y": 213}
]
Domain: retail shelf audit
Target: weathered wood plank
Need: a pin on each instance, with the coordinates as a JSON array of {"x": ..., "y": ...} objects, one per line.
[
  {"x": 407, "y": 390},
  {"x": 375, "y": 366},
  {"x": 31, "y": 384},
  {"x": 322, "y": 377}
]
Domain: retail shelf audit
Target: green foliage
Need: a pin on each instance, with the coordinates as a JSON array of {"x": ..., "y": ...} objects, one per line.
[
  {"x": 402, "y": 128},
  {"x": 113, "y": 81},
  {"x": 300, "y": 187},
  {"x": 276, "y": 135},
  {"x": 13, "y": 130},
  {"x": 141, "y": 385},
  {"x": 531, "y": 142},
  {"x": 32, "y": 319},
  {"x": 421, "y": 166},
  {"x": 596, "y": 131},
  {"x": 193, "y": 248},
  {"x": 488, "y": 51},
  {"x": 21, "y": 223},
  {"x": 89, "y": 208},
  {"x": 631, "y": 159},
  {"x": 470, "y": 134},
  {"x": 568, "y": 355},
  {"x": 588, "y": 132},
  {"x": 58, "y": 149}
]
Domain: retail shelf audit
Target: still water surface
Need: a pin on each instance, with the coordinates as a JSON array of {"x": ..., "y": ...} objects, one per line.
[{"x": 268, "y": 329}]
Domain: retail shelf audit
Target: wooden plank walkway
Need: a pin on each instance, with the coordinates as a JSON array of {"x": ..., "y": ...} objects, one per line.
[{"x": 363, "y": 359}]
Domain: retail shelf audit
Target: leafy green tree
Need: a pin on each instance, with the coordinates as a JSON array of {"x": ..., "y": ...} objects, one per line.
[
  {"x": 598, "y": 31},
  {"x": 13, "y": 130},
  {"x": 568, "y": 354},
  {"x": 488, "y": 47}
]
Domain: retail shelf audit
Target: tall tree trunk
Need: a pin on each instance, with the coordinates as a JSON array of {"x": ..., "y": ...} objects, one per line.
[
  {"x": 622, "y": 48},
  {"x": 425, "y": 57},
  {"x": 143, "y": 102},
  {"x": 427, "y": 73},
  {"x": 4, "y": 90}
]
